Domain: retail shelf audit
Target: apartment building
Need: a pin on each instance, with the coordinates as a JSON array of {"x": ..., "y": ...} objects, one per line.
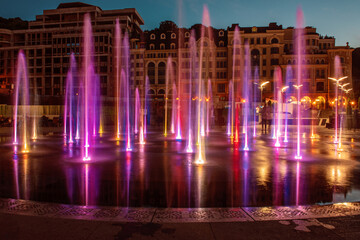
[{"x": 53, "y": 36}]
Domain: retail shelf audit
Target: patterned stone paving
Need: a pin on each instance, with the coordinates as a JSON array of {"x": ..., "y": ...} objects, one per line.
[{"x": 169, "y": 215}]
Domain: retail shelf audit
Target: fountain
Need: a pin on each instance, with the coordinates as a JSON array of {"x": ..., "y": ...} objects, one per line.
[
  {"x": 299, "y": 51},
  {"x": 21, "y": 79}
]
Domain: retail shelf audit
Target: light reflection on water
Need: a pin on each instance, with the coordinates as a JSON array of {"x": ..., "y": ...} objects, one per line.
[{"x": 161, "y": 174}]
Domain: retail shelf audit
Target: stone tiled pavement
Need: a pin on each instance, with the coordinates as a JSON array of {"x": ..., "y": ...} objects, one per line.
[{"x": 20, "y": 219}]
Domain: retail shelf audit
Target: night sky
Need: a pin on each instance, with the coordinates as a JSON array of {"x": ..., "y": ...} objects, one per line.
[{"x": 331, "y": 17}]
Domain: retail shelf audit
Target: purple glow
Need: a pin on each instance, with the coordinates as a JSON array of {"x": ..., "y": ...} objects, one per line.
[
  {"x": 22, "y": 82},
  {"x": 299, "y": 51}
]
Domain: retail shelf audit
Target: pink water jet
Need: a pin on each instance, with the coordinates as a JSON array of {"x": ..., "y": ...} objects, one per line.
[
  {"x": 21, "y": 88},
  {"x": 299, "y": 52}
]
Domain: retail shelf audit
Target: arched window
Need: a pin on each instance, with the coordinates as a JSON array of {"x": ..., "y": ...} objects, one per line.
[
  {"x": 274, "y": 40},
  {"x": 322, "y": 61},
  {"x": 317, "y": 61},
  {"x": 342, "y": 60},
  {"x": 187, "y": 34},
  {"x": 161, "y": 92},
  {"x": 151, "y": 92},
  {"x": 289, "y": 62},
  {"x": 163, "y": 36},
  {"x": 173, "y": 36},
  {"x": 152, "y": 36},
  {"x": 162, "y": 46},
  {"x": 161, "y": 73},
  {"x": 221, "y": 33},
  {"x": 152, "y": 46},
  {"x": 274, "y": 50},
  {"x": 186, "y": 45},
  {"x": 151, "y": 72},
  {"x": 172, "y": 45},
  {"x": 221, "y": 43},
  {"x": 255, "y": 57},
  {"x": 205, "y": 44}
]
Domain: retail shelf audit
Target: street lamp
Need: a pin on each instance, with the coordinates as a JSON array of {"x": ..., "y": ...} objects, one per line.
[
  {"x": 337, "y": 80},
  {"x": 262, "y": 86}
]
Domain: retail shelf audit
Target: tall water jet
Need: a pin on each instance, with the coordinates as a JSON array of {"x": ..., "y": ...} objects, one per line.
[
  {"x": 125, "y": 77},
  {"x": 173, "y": 108},
  {"x": 338, "y": 78},
  {"x": 69, "y": 101},
  {"x": 200, "y": 158},
  {"x": 117, "y": 60},
  {"x": 255, "y": 95},
  {"x": 288, "y": 77},
  {"x": 299, "y": 52},
  {"x": 90, "y": 90},
  {"x": 35, "y": 112},
  {"x": 246, "y": 102},
  {"x": 21, "y": 79},
  {"x": 278, "y": 92},
  {"x": 146, "y": 105},
  {"x": 168, "y": 81},
  {"x": 230, "y": 112},
  {"x": 236, "y": 76},
  {"x": 193, "y": 60},
  {"x": 208, "y": 107},
  {"x": 137, "y": 111}
]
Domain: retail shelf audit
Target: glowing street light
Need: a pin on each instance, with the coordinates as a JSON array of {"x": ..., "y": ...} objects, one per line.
[
  {"x": 262, "y": 86},
  {"x": 284, "y": 89}
]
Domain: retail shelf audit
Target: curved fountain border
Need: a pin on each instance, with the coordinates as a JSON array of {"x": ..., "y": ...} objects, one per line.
[{"x": 176, "y": 215}]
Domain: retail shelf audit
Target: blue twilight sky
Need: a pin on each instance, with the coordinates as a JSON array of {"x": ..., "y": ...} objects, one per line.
[{"x": 331, "y": 17}]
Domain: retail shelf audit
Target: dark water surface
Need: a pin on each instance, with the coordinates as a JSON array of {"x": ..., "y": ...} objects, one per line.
[{"x": 161, "y": 174}]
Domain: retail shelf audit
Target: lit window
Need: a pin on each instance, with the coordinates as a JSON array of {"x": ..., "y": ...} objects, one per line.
[
  {"x": 152, "y": 36},
  {"x": 163, "y": 36},
  {"x": 173, "y": 36}
]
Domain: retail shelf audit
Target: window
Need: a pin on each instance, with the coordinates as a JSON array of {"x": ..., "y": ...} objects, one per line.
[
  {"x": 163, "y": 36},
  {"x": 161, "y": 92},
  {"x": 152, "y": 36},
  {"x": 274, "y": 40},
  {"x": 173, "y": 36},
  {"x": 151, "y": 72},
  {"x": 274, "y": 61},
  {"x": 258, "y": 41},
  {"x": 221, "y": 33},
  {"x": 264, "y": 62},
  {"x": 187, "y": 34},
  {"x": 161, "y": 73},
  {"x": 264, "y": 50},
  {"x": 264, "y": 40},
  {"x": 162, "y": 46},
  {"x": 221, "y": 88},
  {"x": 320, "y": 86},
  {"x": 172, "y": 45},
  {"x": 221, "y": 43},
  {"x": 274, "y": 50},
  {"x": 152, "y": 46}
]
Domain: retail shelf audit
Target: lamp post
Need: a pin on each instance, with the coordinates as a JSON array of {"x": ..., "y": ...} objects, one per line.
[
  {"x": 337, "y": 80},
  {"x": 262, "y": 86}
]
